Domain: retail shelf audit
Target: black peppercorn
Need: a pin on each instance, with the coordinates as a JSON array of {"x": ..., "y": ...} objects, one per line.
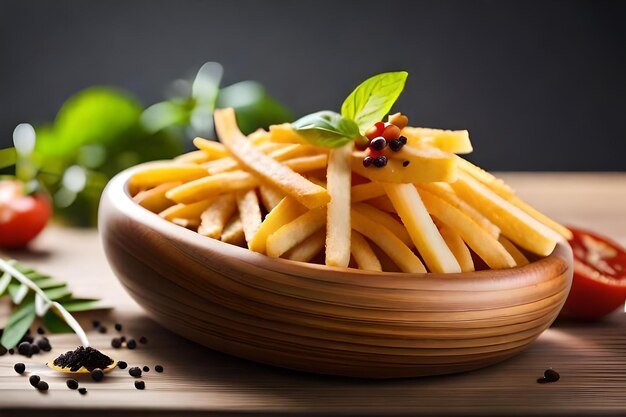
[
  {"x": 116, "y": 343},
  {"x": 34, "y": 380},
  {"x": 44, "y": 344},
  {"x": 140, "y": 385},
  {"x": 42, "y": 386},
  {"x": 551, "y": 375},
  {"x": 11, "y": 351},
  {"x": 405, "y": 163},
  {"x": 135, "y": 371},
  {"x": 25, "y": 348},
  {"x": 131, "y": 344},
  {"x": 97, "y": 374},
  {"x": 367, "y": 161},
  {"x": 82, "y": 391},
  {"x": 122, "y": 364},
  {"x": 380, "y": 161},
  {"x": 102, "y": 329},
  {"x": 118, "y": 327},
  {"x": 40, "y": 330},
  {"x": 123, "y": 339},
  {"x": 3, "y": 350},
  {"x": 378, "y": 144},
  {"x": 72, "y": 384},
  {"x": 143, "y": 340},
  {"x": 146, "y": 369},
  {"x": 96, "y": 324},
  {"x": 19, "y": 367},
  {"x": 34, "y": 349},
  {"x": 158, "y": 368},
  {"x": 402, "y": 140},
  {"x": 395, "y": 145}
]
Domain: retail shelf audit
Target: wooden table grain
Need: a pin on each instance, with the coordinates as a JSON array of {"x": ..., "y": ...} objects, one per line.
[{"x": 591, "y": 357}]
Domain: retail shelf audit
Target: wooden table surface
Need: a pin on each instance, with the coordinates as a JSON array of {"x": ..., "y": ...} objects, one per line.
[{"x": 591, "y": 358}]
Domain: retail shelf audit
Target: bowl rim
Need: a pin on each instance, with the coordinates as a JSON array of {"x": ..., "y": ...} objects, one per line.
[{"x": 117, "y": 194}]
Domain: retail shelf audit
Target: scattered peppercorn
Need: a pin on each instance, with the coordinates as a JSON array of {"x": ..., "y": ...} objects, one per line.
[
  {"x": 82, "y": 391},
  {"x": 88, "y": 357},
  {"x": 116, "y": 343},
  {"x": 11, "y": 351},
  {"x": 19, "y": 367},
  {"x": 97, "y": 374},
  {"x": 140, "y": 385},
  {"x": 402, "y": 140},
  {"x": 135, "y": 371},
  {"x": 25, "y": 348},
  {"x": 123, "y": 339},
  {"x": 146, "y": 369},
  {"x": 27, "y": 338},
  {"x": 102, "y": 329},
  {"x": 143, "y": 340},
  {"x": 40, "y": 330},
  {"x": 72, "y": 384},
  {"x": 131, "y": 344},
  {"x": 118, "y": 327},
  {"x": 34, "y": 349},
  {"x": 406, "y": 163},
  {"x": 42, "y": 386},
  {"x": 367, "y": 161},
  {"x": 158, "y": 368},
  {"x": 96, "y": 324},
  {"x": 551, "y": 375},
  {"x": 3, "y": 350},
  {"x": 380, "y": 161},
  {"x": 34, "y": 380},
  {"x": 44, "y": 344},
  {"x": 122, "y": 364},
  {"x": 378, "y": 144}
]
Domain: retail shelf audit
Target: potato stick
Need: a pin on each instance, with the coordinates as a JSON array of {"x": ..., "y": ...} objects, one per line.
[
  {"x": 363, "y": 253},
  {"x": 422, "y": 165},
  {"x": 154, "y": 199},
  {"x": 162, "y": 172},
  {"x": 339, "y": 178},
  {"x": 445, "y": 191},
  {"x": 270, "y": 196},
  {"x": 187, "y": 211},
  {"x": 193, "y": 157},
  {"x": 213, "y": 219},
  {"x": 213, "y": 149},
  {"x": 284, "y": 133},
  {"x": 212, "y": 185},
  {"x": 229, "y": 163},
  {"x": 516, "y": 225},
  {"x": 306, "y": 250},
  {"x": 421, "y": 228},
  {"x": 520, "y": 258},
  {"x": 292, "y": 183},
  {"x": 296, "y": 231},
  {"x": 383, "y": 203},
  {"x": 286, "y": 211},
  {"x": 233, "y": 232},
  {"x": 249, "y": 212},
  {"x": 386, "y": 220},
  {"x": 477, "y": 238},
  {"x": 307, "y": 163},
  {"x": 188, "y": 223},
  {"x": 540, "y": 217},
  {"x": 389, "y": 243},
  {"x": 366, "y": 191},
  {"x": 259, "y": 136},
  {"x": 290, "y": 151},
  {"x": 454, "y": 141},
  {"x": 458, "y": 248}
]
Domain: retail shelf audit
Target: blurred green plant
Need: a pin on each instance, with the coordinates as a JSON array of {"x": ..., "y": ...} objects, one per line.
[{"x": 101, "y": 131}]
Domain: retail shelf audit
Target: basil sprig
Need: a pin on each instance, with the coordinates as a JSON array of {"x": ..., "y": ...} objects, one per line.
[{"x": 366, "y": 105}]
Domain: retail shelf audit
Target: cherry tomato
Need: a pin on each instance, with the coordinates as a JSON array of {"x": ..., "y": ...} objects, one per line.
[
  {"x": 375, "y": 131},
  {"x": 22, "y": 216},
  {"x": 599, "y": 285}
]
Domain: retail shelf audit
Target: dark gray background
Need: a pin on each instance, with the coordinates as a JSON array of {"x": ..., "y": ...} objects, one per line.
[{"x": 540, "y": 85}]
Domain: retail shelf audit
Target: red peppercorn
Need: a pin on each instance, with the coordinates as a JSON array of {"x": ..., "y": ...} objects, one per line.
[{"x": 375, "y": 130}]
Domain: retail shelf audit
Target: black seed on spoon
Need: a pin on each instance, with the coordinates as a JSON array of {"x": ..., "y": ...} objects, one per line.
[
  {"x": 140, "y": 385},
  {"x": 19, "y": 367},
  {"x": 72, "y": 384},
  {"x": 34, "y": 380}
]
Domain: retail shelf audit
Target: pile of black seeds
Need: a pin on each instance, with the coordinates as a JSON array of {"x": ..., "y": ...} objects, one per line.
[{"x": 87, "y": 357}]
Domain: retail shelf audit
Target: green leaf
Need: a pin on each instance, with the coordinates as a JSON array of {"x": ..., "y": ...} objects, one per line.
[
  {"x": 55, "y": 324},
  {"x": 46, "y": 284},
  {"x": 81, "y": 304},
  {"x": 19, "y": 322},
  {"x": 55, "y": 294},
  {"x": 373, "y": 98},
  {"x": 8, "y": 157},
  {"x": 327, "y": 128}
]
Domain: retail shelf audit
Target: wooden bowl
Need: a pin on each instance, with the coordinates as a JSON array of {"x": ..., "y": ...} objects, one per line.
[{"x": 326, "y": 320}]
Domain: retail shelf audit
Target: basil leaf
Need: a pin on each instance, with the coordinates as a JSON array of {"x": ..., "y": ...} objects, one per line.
[
  {"x": 373, "y": 98},
  {"x": 8, "y": 157},
  {"x": 82, "y": 304},
  {"x": 327, "y": 128},
  {"x": 19, "y": 321},
  {"x": 55, "y": 324}
]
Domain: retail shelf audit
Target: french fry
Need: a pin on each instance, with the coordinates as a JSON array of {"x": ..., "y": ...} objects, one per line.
[
  {"x": 162, "y": 172},
  {"x": 249, "y": 212},
  {"x": 229, "y": 163},
  {"x": 307, "y": 163},
  {"x": 284, "y": 133},
  {"x": 389, "y": 243},
  {"x": 187, "y": 211},
  {"x": 206, "y": 187},
  {"x": 454, "y": 141},
  {"x": 339, "y": 177},
  {"x": 363, "y": 254},
  {"x": 386, "y": 220},
  {"x": 187, "y": 223},
  {"x": 296, "y": 231},
  {"x": 458, "y": 248},
  {"x": 307, "y": 249},
  {"x": 366, "y": 191},
  {"x": 193, "y": 157},
  {"x": 263, "y": 166},
  {"x": 212, "y": 149},
  {"x": 154, "y": 199},
  {"x": 259, "y": 136},
  {"x": 270, "y": 196},
  {"x": 424, "y": 165},
  {"x": 233, "y": 232},
  {"x": 516, "y": 225},
  {"x": 382, "y": 203},
  {"x": 213, "y": 219},
  {"x": 520, "y": 258},
  {"x": 286, "y": 211},
  {"x": 421, "y": 228},
  {"x": 445, "y": 191},
  {"x": 477, "y": 238}
]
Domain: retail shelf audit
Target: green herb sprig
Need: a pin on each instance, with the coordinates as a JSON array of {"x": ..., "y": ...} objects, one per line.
[
  {"x": 366, "y": 105},
  {"x": 37, "y": 295}
]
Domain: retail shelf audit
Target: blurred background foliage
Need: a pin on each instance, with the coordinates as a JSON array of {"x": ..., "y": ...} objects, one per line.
[{"x": 101, "y": 131}]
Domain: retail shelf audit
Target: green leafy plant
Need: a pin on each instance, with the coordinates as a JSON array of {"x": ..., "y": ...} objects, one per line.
[
  {"x": 38, "y": 295},
  {"x": 366, "y": 105}
]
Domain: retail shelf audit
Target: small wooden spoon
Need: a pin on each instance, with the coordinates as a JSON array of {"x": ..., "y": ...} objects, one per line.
[{"x": 81, "y": 370}]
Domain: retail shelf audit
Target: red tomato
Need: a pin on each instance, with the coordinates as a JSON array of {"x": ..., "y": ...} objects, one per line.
[
  {"x": 22, "y": 217},
  {"x": 599, "y": 285}
]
